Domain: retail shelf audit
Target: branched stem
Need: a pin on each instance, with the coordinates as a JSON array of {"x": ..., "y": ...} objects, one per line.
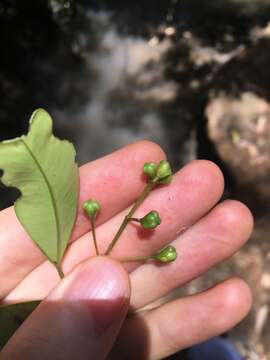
[
  {"x": 148, "y": 188},
  {"x": 92, "y": 219}
]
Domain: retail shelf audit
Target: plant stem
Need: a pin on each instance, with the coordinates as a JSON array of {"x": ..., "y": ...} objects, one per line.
[
  {"x": 148, "y": 188},
  {"x": 59, "y": 270},
  {"x": 92, "y": 220},
  {"x": 133, "y": 259},
  {"x": 134, "y": 219}
]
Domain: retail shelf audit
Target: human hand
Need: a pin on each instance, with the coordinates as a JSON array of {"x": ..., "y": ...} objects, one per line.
[{"x": 85, "y": 315}]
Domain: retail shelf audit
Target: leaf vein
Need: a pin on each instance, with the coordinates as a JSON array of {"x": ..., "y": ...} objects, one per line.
[{"x": 51, "y": 195}]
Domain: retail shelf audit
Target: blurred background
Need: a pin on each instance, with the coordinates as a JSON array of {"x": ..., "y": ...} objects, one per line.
[{"x": 191, "y": 75}]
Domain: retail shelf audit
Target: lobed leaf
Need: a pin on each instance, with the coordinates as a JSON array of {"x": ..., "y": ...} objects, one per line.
[{"x": 43, "y": 168}]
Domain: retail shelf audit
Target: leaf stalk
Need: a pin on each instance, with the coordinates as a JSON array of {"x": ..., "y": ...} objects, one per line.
[{"x": 59, "y": 270}]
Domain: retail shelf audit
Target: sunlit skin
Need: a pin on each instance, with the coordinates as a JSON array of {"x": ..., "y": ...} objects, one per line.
[{"x": 75, "y": 319}]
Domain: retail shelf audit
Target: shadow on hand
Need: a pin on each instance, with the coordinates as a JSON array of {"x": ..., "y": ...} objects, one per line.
[
  {"x": 66, "y": 329},
  {"x": 133, "y": 341}
]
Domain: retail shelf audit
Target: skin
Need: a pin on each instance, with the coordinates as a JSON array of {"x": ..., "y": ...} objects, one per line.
[{"x": 94, "y": 313}]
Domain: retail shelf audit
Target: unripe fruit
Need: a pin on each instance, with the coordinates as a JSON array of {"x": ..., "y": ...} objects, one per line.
[
  {"x": 150, "y": 170},
  {"x": 164, "y": 172},
  {"x": 91, "y": 207},
  {"x": 166, "y": 255},
  {"x": 151, "y": 220}
]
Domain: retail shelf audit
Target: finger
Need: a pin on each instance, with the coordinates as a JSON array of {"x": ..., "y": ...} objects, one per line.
[
  {"x": 213, "y": 239},
  {"x": 80, "y": 319},
  {"x": 194, "y": 191},
  {"x": 98, "y": 179},
  {"x": 183, "y": 322}
]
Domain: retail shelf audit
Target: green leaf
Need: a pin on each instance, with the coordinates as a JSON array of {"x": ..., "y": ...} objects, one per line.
[
  {"x": 43, "y": 168},
  {"x": 12, "y": 316}
]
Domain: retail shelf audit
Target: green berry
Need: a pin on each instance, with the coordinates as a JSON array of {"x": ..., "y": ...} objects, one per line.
[
  {"x": 151, "y": 220},
  {"x": 166, "y": 180},
  {"x": 91, "y": 207},
  {"x": 150, "y": 170},
  {"x": 166, "y": 255},
  {"x": 164, "y": 172}
]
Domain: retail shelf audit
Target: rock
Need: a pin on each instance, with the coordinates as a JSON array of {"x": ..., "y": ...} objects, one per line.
[{"x": 240, "y": 130}]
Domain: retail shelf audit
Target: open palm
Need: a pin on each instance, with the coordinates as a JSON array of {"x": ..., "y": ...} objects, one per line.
[{"x": 85, "y": 315}]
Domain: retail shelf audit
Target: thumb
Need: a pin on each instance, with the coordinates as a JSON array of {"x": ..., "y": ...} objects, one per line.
[{"x": 79, "y": 319}]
